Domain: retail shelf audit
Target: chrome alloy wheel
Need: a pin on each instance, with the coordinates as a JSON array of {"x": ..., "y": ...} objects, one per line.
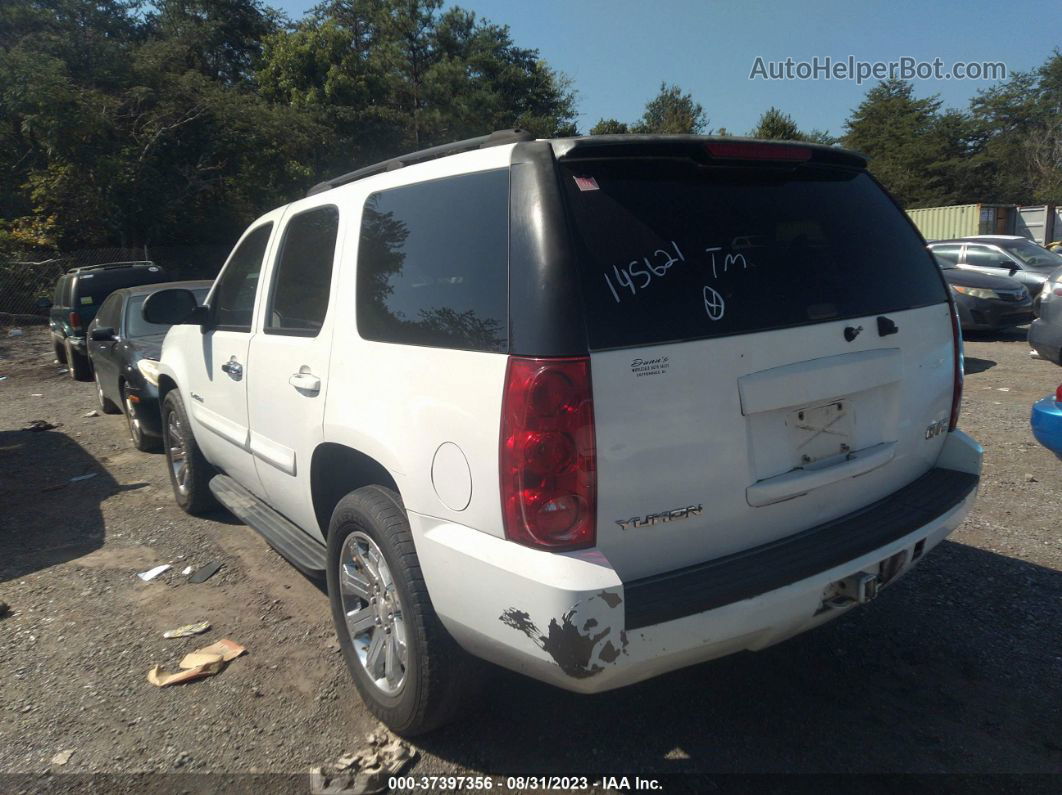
[
  {"x": 177, "y": 451},
  {"x": 373, "y": 611}
]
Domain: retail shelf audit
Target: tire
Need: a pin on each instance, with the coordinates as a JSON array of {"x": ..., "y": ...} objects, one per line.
[
  {"x": 78, "y": 365},
  {"x": 60, "y": 351},
  {"x": 438, "y": 678},
  {"x": 106, "y": 404},
  {"x": 191, "y": 486},
  {"x": 143, "y": 442}
]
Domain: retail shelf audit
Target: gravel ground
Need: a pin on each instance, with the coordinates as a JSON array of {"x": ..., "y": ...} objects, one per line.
[{"x": 957, "y": 668}]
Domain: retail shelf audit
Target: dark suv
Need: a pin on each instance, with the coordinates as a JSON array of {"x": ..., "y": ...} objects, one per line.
[{"x": 78, "y": 295}]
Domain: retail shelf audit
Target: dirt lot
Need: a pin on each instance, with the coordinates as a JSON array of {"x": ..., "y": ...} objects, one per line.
[{"x": 958, "y": 667}]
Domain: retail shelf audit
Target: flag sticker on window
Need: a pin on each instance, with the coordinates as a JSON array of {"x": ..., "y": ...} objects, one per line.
[{"x": 586, "y": 183}]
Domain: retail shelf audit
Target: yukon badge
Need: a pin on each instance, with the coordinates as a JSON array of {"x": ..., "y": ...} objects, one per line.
[{"x": 674, "y": 515}]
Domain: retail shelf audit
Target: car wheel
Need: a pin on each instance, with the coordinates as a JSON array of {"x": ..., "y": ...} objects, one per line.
[
  {"x": 190, "y": 473},
  {"x": 410, "y": 672},
  {"x": 78, "y": 365},
  {"x": 106, "y": 404},
  {"x": 60, "y": 351},
  {"x": 141, "y": 441}
]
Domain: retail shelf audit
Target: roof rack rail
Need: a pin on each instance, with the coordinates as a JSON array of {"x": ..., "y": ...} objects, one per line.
[
  {"x": 108, "y": 265},
  {"x": 496, "y": 138}
]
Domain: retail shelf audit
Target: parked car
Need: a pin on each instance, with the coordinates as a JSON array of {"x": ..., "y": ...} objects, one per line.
[
  {"x": 1007, "y": 255},
  {"x": 1046, "y": 422},
  {"x": 1045, "y": 333},
  {"x": 124, "y": 350},
  {"x": 535, "y": 410},
  {"x": 986, "y": 302},
  {"x": 78, "y": 294}
]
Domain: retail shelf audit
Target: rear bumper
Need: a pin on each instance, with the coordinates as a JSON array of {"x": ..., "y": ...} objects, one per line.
[
  {"x": 1046, "y": 422},
  {"x": 569, "y": 620}
]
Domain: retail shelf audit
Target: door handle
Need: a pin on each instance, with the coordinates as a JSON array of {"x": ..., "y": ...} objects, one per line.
[
  {"x": 233, "y": 368},
  {"x": 305, "y": 381}
]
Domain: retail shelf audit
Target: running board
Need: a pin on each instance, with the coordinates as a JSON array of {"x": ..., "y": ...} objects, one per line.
[{"x": 305, "y": 553}]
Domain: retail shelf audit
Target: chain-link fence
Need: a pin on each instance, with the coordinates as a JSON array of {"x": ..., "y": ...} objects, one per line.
[{"x": 24, "y": 284}]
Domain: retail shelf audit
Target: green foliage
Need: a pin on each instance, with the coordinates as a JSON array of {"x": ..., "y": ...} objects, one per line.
[
  {"x": 671, "y": 111},
  {"x": 609, "y": 127},
  {"x": 183, "y": 123},
  {"x": 1006, "y": 149},
  {"x": 774, "y": 124}
]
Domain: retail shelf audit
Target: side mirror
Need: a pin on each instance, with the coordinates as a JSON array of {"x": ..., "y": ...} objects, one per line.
[
  {"x": 1013, "y": 268},
  {"x": 43, "y": 303},
  {"x": 102, "y": 334},
  {"x": 173, "y": 307}
]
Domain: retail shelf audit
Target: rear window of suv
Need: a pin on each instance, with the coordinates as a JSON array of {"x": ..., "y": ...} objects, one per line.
[
  {"x": 94, "y": 286},
  {"x": 673, "y": 250}
]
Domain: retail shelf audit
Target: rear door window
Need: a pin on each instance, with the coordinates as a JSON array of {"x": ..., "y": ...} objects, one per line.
[
  {"x": 671, "y": 250},
  {"x": 985, "y": 257},
  {"x": 433, "y": 263}
]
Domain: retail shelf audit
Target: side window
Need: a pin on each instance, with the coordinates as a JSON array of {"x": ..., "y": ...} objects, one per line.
[
  {"x": 984, "y": 257},
  {"x": 433, "y": 263},
  {"x": 233, "y": 300},
  {"x": 57, "y": 299},
  {"x": 947, "y": 253},
  {"x": 303, "y": 274}
]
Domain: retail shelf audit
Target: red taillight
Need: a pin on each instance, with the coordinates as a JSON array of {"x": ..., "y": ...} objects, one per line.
[
  {"x": 548, "y": 459},
  {"x": 739, "y": 150},
  {"x": 956, "y": 336},
  {"x": 75, "y": 320},
  {"x": 1058, "y": 394}
]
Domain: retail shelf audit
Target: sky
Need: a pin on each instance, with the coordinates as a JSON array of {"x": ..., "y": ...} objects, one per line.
[{"x": 617, "y": 52}]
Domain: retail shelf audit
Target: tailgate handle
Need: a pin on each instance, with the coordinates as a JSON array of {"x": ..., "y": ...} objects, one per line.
[
  {"x": 798, "y": 482},
  {"x": 886, "y": 326}
]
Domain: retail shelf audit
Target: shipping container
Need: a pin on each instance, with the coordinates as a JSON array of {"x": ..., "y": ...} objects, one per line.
[
  {"x": 1039, "y": 223},
  {"x": 964, "y": 220}
]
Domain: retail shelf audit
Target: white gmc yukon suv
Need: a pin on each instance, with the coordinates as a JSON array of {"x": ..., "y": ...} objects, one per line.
[{"x": 591, "y": 409}]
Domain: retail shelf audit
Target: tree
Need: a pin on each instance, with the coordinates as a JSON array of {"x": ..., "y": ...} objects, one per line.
[
  {"x": 120, "y": 127},
  {"x": 671, "y": 111},
  {"x": 1017, "y": 125},
  {"x": 609, "y": 127},
  {"x": 901, "y": 136},
  {"x": 774, "y": 124}
]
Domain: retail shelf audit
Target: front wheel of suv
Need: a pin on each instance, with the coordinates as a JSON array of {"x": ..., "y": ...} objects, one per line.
[
  {"x": 410, "y": 673},
  {"x": 190, "y": 473}
]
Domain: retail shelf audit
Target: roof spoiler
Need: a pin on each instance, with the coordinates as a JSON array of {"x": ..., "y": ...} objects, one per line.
[
  {"x": 496, "y": 138},
  {"x": 709, "y": 148}
]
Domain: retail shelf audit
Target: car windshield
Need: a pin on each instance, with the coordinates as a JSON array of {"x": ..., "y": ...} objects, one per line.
[
  {"x": 135, "y": 324},
  {"x": 1034, "y": 256}
]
